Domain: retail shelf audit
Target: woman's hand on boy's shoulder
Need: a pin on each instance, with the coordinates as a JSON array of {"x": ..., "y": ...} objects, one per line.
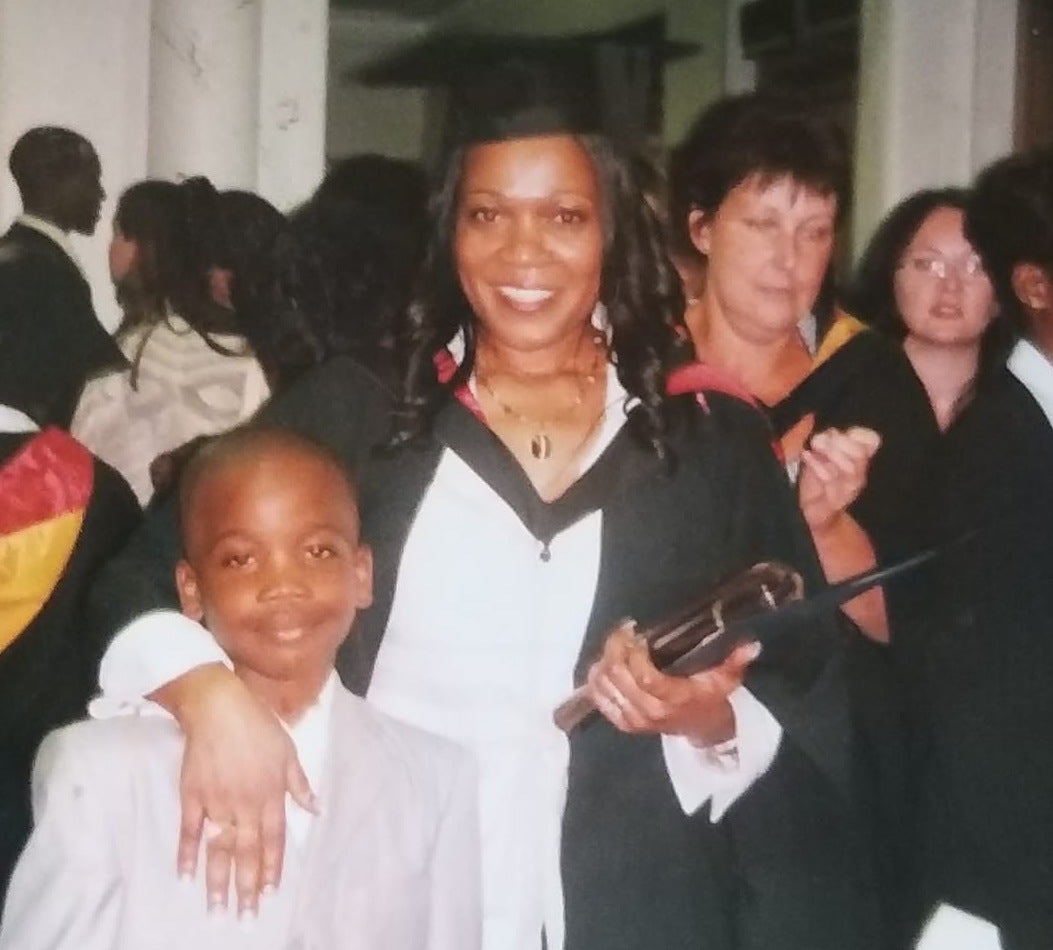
[{"x": 238, "y": 766}]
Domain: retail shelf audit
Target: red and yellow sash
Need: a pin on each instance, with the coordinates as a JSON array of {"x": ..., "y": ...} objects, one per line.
[{"x": 44, "y": 492}]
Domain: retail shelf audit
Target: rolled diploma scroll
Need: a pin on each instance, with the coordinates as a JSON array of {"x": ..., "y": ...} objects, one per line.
[{"x": 702, "y": 634}]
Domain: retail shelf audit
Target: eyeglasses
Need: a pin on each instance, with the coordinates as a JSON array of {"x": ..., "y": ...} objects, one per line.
[{"x": 939, "y": 268}]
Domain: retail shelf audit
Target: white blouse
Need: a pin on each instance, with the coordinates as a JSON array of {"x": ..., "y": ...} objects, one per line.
[{"x": 184, "y": 389}]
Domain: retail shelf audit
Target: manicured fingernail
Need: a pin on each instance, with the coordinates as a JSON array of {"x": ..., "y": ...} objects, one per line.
[
  {"x": 754, "y": 651},
  {"x": 269, "y": 887},
  {"x": 216, "y": 907}
]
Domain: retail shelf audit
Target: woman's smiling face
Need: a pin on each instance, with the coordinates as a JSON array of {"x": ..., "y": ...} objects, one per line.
[{"x": 528, "y": 240}]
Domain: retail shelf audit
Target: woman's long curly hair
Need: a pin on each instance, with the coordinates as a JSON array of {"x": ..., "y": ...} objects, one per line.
[{"x": 639, "y": 289}]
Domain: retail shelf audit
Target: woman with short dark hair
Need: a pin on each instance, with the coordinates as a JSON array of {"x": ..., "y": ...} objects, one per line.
[{"x": 758, "y": 187}]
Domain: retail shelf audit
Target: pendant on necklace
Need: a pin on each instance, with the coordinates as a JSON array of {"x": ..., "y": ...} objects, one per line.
[{"x": 540, "y": 446}]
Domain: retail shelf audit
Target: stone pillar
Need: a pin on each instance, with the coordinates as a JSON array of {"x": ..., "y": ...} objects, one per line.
[
  {"x": 936, "y": 98},
  {"x": 237, "y": 93},
  {"x": 292, "y": 99},
  {"x": 84, "y": 66},
  {"x": 204, "y": 90}
]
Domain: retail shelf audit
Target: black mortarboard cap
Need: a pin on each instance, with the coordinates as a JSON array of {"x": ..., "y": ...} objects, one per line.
[{"x": 523, "y": 98}]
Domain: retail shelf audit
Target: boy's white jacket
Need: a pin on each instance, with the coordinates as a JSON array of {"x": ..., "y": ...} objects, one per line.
[{"x": 391, "y": 861}]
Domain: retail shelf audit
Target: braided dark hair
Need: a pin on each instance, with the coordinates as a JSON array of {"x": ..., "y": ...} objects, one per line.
[{"x": 639, "y": 289}]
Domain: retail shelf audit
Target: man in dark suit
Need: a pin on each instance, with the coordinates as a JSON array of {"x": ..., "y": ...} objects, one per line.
[{"x": 50, "y": 338}]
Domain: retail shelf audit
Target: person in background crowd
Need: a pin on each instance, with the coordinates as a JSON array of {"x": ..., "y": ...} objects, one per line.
[
  {"x": 191, "y": 372},
  {"x": 246, "y": 279},
  {"x": 922, "y": 284},
  {"x": 366, "y": 225},
  {"x": 757, "y": 188},
  {"x": 62, "y": 513},
  {"x": 988, "y": 829},
  {"x": 50, "y": 339},
  {"x": 544, "y": 478}
]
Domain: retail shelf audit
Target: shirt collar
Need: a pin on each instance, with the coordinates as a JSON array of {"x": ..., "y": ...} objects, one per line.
[
  {"x": 310, "y": 732},
  {"x": 52, "y": 231},
  {"x": 1035, "y": 374},
  {"x": 14, "y": 420},
  {"x": 310, "y": 736}
]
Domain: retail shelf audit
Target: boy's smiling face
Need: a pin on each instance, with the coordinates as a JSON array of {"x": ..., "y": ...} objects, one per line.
[{"x": 274, "y": 566}]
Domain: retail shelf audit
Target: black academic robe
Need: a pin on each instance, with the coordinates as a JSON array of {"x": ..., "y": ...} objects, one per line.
[
  {"x": 47, "y": 672},
  {"x": 868, "y": 381},
  {"x": 862, "y": 379},
  {"x": 787, "y": 865},
  {"x": 988, "y": 829},
  {"x": 50, "y": 339}
]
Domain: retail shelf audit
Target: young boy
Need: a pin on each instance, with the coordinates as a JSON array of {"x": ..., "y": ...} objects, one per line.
[{"x": 274, "y": 567}]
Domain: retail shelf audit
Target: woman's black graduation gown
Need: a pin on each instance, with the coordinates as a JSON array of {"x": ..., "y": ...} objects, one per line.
[
  {"x": 785, "y": 866},
  {"x": 862, "y": 379}
]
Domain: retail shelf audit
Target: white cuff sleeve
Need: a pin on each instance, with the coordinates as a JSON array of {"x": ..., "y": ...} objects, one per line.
[
  {"x": 152, "y": 650},
  {"x": 722, "y": 773}
]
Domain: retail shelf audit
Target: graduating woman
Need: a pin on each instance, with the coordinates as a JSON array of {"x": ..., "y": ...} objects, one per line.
[{"x": 547, "y": 474}]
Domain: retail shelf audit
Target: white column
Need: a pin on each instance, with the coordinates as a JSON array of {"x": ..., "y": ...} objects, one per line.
[
  {"x": 237, "y": 93},
  {"x": 83, "y": 65},
  {"x": 204, "y": 90},
  {"x": 936, "y": 97},
  {"x": 292, "y": 99}
]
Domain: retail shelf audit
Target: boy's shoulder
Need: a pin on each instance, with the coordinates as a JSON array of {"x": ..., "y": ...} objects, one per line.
[
  {"x": 121, "y": 744},
  {"x": 406, "y": 752}
]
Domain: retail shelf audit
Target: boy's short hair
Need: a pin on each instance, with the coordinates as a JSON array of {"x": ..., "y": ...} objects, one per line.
[{"x": 245, "y": 440}]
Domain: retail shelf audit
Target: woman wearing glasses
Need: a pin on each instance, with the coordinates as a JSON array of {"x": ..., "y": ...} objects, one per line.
[{"x": 921, "y": 282}]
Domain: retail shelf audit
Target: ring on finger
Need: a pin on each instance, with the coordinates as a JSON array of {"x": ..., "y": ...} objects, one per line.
[{"x": 214, "y": 829}]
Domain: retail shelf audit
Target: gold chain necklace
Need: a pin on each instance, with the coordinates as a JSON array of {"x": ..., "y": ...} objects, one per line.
[{"x": 540, "y": 441}]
